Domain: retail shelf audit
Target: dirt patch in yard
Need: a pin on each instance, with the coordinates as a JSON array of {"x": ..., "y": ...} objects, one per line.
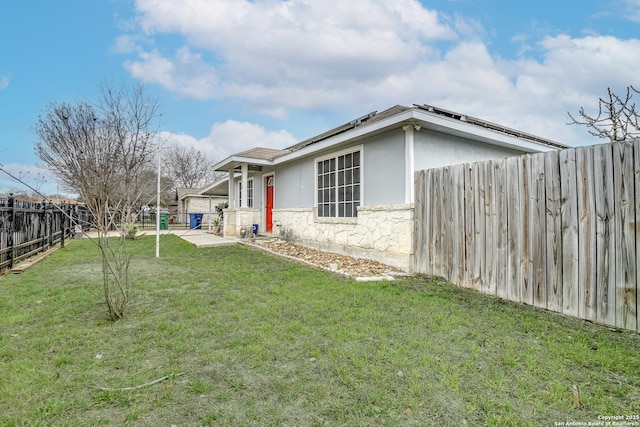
[{"x": 349, "y": 266}]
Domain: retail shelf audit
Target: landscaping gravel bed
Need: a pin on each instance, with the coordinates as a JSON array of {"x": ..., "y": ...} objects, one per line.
[{"x": 350, "y": 266}]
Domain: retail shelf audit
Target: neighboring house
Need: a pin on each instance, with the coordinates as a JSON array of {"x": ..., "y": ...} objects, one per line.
[
  {"x": 351, "y": 190},
  {"x": 201, "y": 201}
]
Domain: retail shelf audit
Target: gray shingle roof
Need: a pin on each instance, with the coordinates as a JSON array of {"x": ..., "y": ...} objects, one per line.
[{"x": 263, "y": 153}]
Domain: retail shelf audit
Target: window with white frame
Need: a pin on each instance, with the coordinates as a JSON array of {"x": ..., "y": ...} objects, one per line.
[
  {"x": 249, "y": 193},
  {"x": 338, "y": 185}
]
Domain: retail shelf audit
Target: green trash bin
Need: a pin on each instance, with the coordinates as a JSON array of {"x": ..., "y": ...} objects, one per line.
[{"x": 164, "y": 220}]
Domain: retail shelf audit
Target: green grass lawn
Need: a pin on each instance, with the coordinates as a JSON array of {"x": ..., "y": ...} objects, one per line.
[{"x": 249, "y": 339}]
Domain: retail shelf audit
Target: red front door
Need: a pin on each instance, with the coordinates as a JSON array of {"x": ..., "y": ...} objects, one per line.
[{"x": 269, "y": 203}]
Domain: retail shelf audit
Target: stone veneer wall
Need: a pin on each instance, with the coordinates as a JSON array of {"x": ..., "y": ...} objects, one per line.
[
  {"x": 382, "y": 233},
  {"x": 236, "y": 219},
  {"x": 204, "y": 205}
]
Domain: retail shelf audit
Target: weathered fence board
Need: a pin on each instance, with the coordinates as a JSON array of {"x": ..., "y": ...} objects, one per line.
[
  {"x": 479, "y": 221},
  {"x": 586, "y": 234},
  {"x": 445, "y": 241},
  {"x": 421, "y": 234},
  {"x": 605, "y": 235},
  {"x": 625, "y": 231},
  {"x": 556, "y": 230},
  {"x": 501, "y": 227},
  {"x": 438, "y": 221},
  {"x": 469, "y": 228},
  {"x": 636, "y": 164},
  {"x": 569, "y": 221},
  {"x": 514, "y": 245},
  {"x": 456, "y": 224},
  {"x": 537, "y": 241},
  {"x": 526, "y": 275},
  {"x": 491, "y": 239}
]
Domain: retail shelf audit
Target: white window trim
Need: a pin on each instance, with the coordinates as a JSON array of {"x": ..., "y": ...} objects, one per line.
[
  {"x": 239, "y": 193},
  {"x": 335, "y": 155}
]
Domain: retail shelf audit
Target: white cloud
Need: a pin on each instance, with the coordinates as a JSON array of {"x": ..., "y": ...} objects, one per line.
[
  {"x": 632, "y": 10},
  {"x": 226, "y": 24},
  {"x": 265, "y": 48},
  {"x": 4, "y": 81},
  {"x": 126, "y": 44},
  {"x": 186, "y": 74},
  {"x": 527, "y": 94},
  {"x": 576, "y": 72},
  {"x": 232, "y": 137},
  {"x": 363, "y": 55}
]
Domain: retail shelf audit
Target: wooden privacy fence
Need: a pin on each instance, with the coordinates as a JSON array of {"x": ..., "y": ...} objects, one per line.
[
  {"x": 556, "y": 230},
  {"x": 27, "y": 227}
]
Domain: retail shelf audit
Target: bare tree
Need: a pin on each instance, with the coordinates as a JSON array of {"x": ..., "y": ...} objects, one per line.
[
  {"x": 617, "y": 118},
  {"x": 189, "y": 167},
  {"x": 100, "y": 151},
  {"x": 148, "y": 193}
]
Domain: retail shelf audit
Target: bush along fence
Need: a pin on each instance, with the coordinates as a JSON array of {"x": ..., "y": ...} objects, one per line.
[
  {"x": 27, "y": 227},
  {"x": 557, "y": 230}
]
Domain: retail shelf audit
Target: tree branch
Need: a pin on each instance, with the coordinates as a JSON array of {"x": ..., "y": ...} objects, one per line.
[{"x": 150, "y": 383}]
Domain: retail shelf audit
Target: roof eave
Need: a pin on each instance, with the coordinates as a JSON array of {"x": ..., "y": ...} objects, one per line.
[
  {"x": 350, "y": 135},
  {"x": 233, "y": 162},
  {"x": 222, "y": 184},
  {"x": 475, "y": 131},
  {"x": 431, "y": 121},
  {"x": 479, "y": 133}
]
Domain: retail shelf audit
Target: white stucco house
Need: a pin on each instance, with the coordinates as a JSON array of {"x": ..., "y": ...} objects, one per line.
[{"x": 351, "y": 189}]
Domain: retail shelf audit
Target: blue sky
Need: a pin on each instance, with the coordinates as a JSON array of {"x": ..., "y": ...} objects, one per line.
[{"x": 233, "y": 74}]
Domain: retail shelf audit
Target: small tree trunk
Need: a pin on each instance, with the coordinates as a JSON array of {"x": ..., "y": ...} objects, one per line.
[{"x": 115, "y": 267}]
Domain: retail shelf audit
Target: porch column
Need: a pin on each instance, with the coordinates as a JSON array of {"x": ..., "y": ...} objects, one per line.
[
  {"x": 409, "y": 161},
  {"x": 232, "y": 195},
  {"x": 243, "y": 191}
]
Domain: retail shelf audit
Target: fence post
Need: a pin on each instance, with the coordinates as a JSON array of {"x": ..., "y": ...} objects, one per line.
[
  {"x": 50, "y": 223},
  {"x": 43, "y": 224},
  {"x": 12, "y": 219},
  {"x": 63, "y": 217}
]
